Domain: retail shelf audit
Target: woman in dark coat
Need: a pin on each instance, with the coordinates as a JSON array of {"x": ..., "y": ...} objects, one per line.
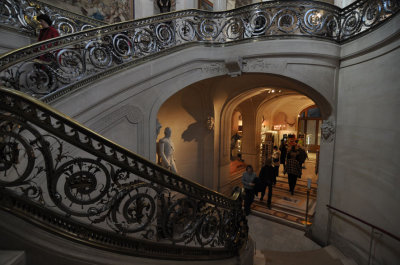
[
  {"x": 47, "y": 32},
  {"x": 293, "y": 169}
]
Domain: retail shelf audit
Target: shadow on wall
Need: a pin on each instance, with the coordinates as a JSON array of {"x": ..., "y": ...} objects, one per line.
[{"x": 194, "y": 131}]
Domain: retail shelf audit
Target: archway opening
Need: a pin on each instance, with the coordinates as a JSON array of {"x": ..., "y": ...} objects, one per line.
[
  {"x": 204, "y": 118},
  {"x": 280, "y": 118}
]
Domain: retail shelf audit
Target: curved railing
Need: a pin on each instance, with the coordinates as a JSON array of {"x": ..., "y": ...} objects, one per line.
[
  {"x": 67, "y": 179},
  {"x": 80, "y": 58},
  {"x": 21, "y": 15}
]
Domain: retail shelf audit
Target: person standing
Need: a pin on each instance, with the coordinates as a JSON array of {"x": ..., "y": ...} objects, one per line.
[
  {"x": 266, "y": 179},
  {"x": 293, "y": 169},
  {"x": 248, "y": 179},
  {"x": 276, "y": 156},
  {"x": 283, "y": 150},
  {"x": 302, "y": 156},
  {"x": 46, "y": 32}
]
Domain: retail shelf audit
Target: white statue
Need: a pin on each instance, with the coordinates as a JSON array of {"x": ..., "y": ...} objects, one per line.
[{"x": 166, "y": 151}]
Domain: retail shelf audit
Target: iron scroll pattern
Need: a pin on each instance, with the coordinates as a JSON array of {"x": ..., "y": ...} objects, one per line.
[
  {"x": 75, "y": 60},
  {"x": 103, "y": 194},
  {"x": 21, "y": 15}
]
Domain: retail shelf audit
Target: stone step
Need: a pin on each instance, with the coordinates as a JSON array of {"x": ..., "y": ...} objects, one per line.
[
  {"x": 324, "y": 256},
  {"x": 283, "y": 209},
  {"x": 12, "y": 257},
  {"x": 312, "y": 257},
  {"x": 337, "y": 254},
  {"x": 290, "y": 220}
]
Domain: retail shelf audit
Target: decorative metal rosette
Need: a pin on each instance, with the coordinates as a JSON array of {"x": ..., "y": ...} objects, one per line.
[
  {"x": 351, "y": 23},
  {"x": 234, "y": 29},
  {"x": 259, "y": 23},
  {"x": 179, "y": 220},
  {"x": 136, "y": 209},
  {"x": 17, "y": 155},
  {"x": 78, "y": 184},
  {"x": 287, "y": 20},
  {"x": 145, "y": 41},
  {"x": 372, "y": 13},
  {"x": 186, "y": 30},
  {"x": 165, "y": 35}
]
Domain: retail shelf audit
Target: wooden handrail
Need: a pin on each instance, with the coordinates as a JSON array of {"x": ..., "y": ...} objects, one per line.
[{"x": 364, "y": 222}]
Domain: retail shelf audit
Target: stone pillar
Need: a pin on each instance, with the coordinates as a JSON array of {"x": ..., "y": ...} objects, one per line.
[
  {"x": 249, "y": 150},
  {"x": 144, "y": 8},
  {"x": 230, "y": 4},
  {"x": 186, "y": 4},
  {"x": 320, "y": 228},
  {"x": 219, "y": 5}
]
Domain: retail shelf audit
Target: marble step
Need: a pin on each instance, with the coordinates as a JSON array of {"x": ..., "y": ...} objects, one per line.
[
  {"x": 335, "y": 253},
  {"x": 323, "y": 256},
  {"x": 12, "y": 257},
  {"x": 311, "y": 257},
  {"x": 280, "y": 220}
]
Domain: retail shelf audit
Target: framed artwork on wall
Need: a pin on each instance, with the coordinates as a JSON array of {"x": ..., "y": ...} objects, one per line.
[
  {"x": 205, "y": 5},
  {"x": 110, "y": 11}
]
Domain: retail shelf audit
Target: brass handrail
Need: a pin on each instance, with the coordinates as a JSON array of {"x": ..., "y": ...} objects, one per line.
[{"x": 106, "y": 194}]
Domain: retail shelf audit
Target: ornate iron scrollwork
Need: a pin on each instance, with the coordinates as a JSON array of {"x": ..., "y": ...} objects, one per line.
[
  {"x": 80, "y": 58},
  {"x": 21, "y": 15},
  {"x": 104, "y": 194}
]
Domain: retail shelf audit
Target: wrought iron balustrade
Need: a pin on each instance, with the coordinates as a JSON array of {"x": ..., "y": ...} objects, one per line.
[
  {"x": 21, "y": 15},
  {"x": 63, "y": 177},
  {"x": 77, "y": 59}
]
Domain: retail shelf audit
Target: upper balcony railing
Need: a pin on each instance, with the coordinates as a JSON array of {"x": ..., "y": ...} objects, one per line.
[
  {"x": 75, "y": 60},
  {"x": 71, "y": 181},
  {"x": 21, "y": 15}
]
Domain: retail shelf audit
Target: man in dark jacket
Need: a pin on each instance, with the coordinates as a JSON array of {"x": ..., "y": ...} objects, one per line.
[
  {"x": 302, "y": 156},
  {"x": 266, "y": 179},
  {"x": 248, "y": 179}
]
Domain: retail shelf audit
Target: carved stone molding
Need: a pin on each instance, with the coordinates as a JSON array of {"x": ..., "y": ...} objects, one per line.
[
  {"x": 158, "y": 127},
  {"x": 210, "y": 123},
  {"x": 263, "y": 65},
  {"x": 234, "y": 66},
  {"x": 214, "y": 68},
  {"x": 133, "y": 115},
  {"x": 328, "y": 130}
]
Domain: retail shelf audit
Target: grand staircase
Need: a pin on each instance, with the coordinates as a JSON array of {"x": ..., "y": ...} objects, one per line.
[{"x": 67, "y": 180}]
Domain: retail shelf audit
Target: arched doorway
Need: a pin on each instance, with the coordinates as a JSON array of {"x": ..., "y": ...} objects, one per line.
[{"x": 220, "y": 98}]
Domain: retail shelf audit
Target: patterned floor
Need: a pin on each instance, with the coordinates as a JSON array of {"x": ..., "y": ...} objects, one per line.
[{"x": 288, "y": 208}]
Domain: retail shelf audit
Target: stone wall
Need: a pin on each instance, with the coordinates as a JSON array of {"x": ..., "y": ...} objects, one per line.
[{"x": 367, "y": 152}]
